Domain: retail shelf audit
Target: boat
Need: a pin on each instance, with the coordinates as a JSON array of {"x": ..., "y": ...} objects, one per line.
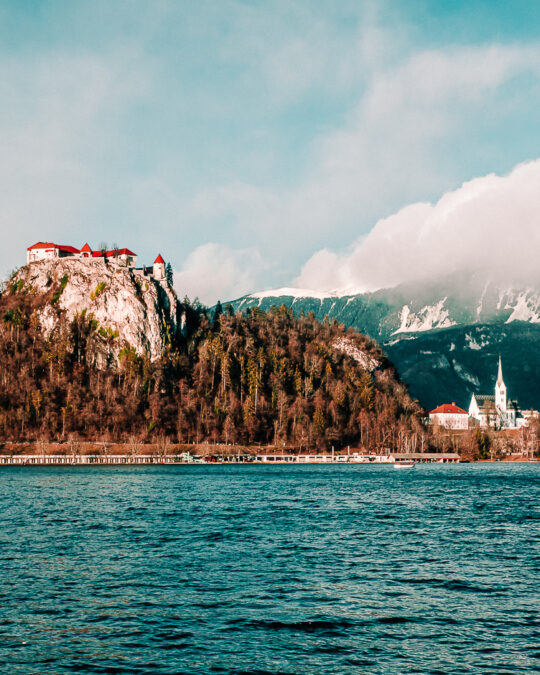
[{"x": 403, "y": 464}]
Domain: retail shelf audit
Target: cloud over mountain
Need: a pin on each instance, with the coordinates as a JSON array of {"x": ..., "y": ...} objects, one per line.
[
  {"x": 489, "y": 224},
  {"x": 215, "y": 271}
]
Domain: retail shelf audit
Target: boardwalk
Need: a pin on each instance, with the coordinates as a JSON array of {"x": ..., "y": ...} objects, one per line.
[{"x": 185, "y": 458}]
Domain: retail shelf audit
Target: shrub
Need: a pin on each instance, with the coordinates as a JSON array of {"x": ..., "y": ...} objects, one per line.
[
  {"x": 98, "y": 290},
  {"x": 56, "y": 295}
]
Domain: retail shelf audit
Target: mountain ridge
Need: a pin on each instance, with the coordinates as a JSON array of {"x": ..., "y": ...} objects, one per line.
[{"x": 414, "y": 312}]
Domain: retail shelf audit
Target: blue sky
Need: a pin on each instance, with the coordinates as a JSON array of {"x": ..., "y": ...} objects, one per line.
[{"x": 246, "y": 141}]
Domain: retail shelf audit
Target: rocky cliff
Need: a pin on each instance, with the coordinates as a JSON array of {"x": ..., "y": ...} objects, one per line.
[{"x": 130, "y": 309}]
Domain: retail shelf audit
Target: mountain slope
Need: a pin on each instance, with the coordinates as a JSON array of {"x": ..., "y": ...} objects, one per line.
[
  {"x": 450, "y": 364},
  {"x": 413, "y": 313}
]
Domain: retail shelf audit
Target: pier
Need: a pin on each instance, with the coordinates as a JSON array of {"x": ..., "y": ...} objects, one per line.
[{"x": 186, "y": 458}]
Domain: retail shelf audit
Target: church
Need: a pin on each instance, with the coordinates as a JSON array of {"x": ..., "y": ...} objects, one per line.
[{"x": 497, "y": 410}]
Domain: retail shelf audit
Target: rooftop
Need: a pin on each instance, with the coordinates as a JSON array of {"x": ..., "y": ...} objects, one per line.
[{"x": 448, "y": 409}]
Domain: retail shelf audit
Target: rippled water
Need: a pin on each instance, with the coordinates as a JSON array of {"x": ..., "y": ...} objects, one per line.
[{"x": 250, "y": 569}]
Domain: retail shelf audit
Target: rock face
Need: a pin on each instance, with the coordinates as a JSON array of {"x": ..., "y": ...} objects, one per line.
[{"x": 131, "y": 309}]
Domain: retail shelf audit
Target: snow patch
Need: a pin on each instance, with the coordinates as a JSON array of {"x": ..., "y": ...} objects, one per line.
[
  {"x": 464, "y": 374},
  {"x": 481, "y": 302},
  {"x": 475, "y": 343},
  {"x": 292, "y": 292},
  {"x": 526, "y": 308},
  {"x": 428, "y": 318}
]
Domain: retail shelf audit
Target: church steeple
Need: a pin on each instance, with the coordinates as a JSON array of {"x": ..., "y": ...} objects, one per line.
[
  {"x": 499, "y": 374},
  {"x": 500, "y": 390}
]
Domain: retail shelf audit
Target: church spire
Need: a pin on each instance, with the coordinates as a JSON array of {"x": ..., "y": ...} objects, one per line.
[{"x": 499, "y": 374}]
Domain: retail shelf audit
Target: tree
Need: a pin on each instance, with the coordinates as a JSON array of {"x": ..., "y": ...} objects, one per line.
[
  {"x": 218, "y": 311},
  {"x": 169, "y": 274}
]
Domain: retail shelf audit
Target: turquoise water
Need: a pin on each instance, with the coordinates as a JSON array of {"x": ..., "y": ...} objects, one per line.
[{"x": 250, "y": 569}]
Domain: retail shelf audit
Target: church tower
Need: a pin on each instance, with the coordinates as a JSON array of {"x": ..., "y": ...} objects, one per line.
[{"x": 500, "y": 390}]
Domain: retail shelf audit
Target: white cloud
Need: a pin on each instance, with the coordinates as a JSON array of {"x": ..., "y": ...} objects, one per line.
[
  {"x": 389, "y": 151},
  {"x": 215, "y": 272},
  {"x": 489, "y": 224},
  {"x": 57, "y": 128}
]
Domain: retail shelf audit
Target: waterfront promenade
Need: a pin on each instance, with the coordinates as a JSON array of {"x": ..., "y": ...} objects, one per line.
[{"x": 185, "y": 458}]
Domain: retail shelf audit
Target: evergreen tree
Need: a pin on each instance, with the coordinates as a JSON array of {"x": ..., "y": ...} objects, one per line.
[
  {"x": 218, "y": 311},
  {"x": 169, "y": 275}
]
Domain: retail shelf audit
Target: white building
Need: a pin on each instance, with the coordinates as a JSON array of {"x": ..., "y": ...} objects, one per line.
[
  {"x": 497, "y": 410},
  {"x": 47, "y": 250},
  {"x": 158, "y": 269},
  {"x": 449, "y": 416}
]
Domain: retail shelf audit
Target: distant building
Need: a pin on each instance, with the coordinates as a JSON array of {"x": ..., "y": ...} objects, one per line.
[
  {"x": 449, "y": 416},
  {"x": 158, "y": 269},
  {"x": 123, "y": 254},
  {"x": 49, "y": 251},
  {"x": 44, "y": 250},
  {"x": 497, "y": 410}
]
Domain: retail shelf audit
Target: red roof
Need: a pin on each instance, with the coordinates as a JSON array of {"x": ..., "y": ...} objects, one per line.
[
  {"x": 449, "y": 408},
  {"x": 86, "y": 249},
  {"x": 111, "y": 254},
  {"x": 159, "y": 259},
  {"x": 50, "y": 244}
]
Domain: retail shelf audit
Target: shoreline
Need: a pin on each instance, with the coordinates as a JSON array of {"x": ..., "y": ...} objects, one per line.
[{"x": 259, "y": 460}]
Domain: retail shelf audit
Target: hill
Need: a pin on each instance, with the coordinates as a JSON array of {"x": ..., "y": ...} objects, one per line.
[
  {"x": 444, "y": 336},
  {"x": 96, "y": 352}
]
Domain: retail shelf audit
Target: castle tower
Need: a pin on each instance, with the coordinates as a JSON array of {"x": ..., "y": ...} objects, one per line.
[
  {"x": 158, "y": 269},
  {"x": 86, "y": 251},
  {"x": 500, "y": 390}
]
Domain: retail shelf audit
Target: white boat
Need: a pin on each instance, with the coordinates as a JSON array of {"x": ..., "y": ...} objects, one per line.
[{"x": 403, "y": 464}]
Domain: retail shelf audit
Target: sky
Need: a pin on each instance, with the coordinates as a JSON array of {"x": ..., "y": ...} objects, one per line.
[{"x": 330, "y": 145}]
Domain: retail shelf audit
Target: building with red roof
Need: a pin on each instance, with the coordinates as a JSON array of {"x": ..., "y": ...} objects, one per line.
[
  {"x": 158, "y": 269},
  {"x": 48, "y": 250},
  {"x": 449, "y": 416},
  {"x": 45, "y": 249},
  {"x": 123, "y": 254}
]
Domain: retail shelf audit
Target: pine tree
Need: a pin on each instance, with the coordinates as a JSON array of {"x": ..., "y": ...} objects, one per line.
[{"x": 169, "y": 274}]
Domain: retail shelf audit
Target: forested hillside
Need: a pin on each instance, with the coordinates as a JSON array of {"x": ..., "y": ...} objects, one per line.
[
  {"x": 267, "y": 377},
  {"x": 444, "y": 337}
]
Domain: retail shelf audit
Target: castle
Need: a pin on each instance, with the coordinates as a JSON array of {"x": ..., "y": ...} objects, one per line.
[{"x": 50, "y": 251}]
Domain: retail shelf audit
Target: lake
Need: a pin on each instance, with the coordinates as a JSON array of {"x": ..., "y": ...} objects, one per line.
[{"x": 270, "y": 569}]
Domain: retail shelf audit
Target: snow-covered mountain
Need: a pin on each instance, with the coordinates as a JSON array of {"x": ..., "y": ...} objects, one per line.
[{"x": 458, "y": 315}]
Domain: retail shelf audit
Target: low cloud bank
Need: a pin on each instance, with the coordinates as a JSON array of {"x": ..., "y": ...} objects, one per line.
[
  {"x": 490, "y": 224},
  {"x": 215, "y": 271}
]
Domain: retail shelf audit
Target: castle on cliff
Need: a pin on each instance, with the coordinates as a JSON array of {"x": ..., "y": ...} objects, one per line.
[{"x": 50, "y": 251}]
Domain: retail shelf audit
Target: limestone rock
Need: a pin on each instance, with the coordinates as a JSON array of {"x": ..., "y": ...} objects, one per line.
[{"x": 135, "y": 309}]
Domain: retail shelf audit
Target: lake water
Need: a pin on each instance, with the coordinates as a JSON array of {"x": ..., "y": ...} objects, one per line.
[{"x": 270, "y": 569}]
